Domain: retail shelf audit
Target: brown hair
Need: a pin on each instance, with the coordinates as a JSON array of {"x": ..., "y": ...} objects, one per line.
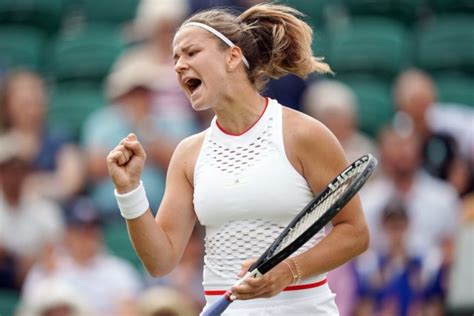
[{"x": 272, "y": 37}]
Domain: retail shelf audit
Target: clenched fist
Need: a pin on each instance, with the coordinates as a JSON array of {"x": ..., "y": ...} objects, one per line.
[{"x": 125, "y": 163}]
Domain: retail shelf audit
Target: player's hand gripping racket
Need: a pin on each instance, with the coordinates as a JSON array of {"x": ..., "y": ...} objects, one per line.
[{"x": 307, "y": 223}]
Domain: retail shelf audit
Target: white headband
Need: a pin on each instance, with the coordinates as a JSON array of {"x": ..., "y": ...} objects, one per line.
[{"x": 220, "y": 35}]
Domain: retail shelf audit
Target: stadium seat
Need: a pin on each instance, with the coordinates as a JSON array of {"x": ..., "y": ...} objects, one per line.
[
  {"x": 446, "y": 44},
  {"x": 118, "y": 243},
  {"x": 405, "y": 11},
  {"x": 71, "y": 103},
  {"x": 43, "y": 14},
  {"x": 87, "y": 53},
  {"x": 320, "y": 44},
  {"x": 455, "y": 89},
  {"x": 21, "y": 46},
  {"x": 369, "y": 44},
  {"x": 315, "y": 10},
  {"x": 109, "y": 11},
  {"x": 8, "y": 302},
  {"x": 452, "y": 6},
  {"x": 374, "y": 103}
]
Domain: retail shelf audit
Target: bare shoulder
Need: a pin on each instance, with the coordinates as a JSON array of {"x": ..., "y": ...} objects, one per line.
[
  {"x": 187, "y": 152},
  {"x": 311, "y": 147},
  {"x": 191, "y": 144},
  {"x": 302, "y": 125},
  {"x": 307, "y": 133}
]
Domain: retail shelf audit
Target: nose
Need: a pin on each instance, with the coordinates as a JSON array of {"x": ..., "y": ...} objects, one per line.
[{"x": 180, "y": 65}]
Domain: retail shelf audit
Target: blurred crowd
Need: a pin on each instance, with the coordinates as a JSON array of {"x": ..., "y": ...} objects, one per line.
[{"x": 64, "y": 249}]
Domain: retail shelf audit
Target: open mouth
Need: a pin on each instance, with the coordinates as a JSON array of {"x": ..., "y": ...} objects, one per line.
[{"x": 193, "y": 84}]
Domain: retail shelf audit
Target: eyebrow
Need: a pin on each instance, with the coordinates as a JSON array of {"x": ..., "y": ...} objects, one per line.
[{"x": 186, "y": 48}]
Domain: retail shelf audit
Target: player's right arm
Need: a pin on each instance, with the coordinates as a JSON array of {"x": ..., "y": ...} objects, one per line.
[{"x": 160, "y": 241}]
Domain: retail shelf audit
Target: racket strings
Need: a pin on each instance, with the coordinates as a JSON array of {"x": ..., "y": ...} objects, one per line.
[{"x": 311, "y": 217}]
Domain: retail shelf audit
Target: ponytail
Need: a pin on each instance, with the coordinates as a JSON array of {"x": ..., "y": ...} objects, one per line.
[
  {"x": 282, "y": 44},
  {"x": 272, "y": 37}
]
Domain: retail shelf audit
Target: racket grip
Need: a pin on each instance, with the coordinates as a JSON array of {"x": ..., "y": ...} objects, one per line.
[{"x": 219, "y": 306}]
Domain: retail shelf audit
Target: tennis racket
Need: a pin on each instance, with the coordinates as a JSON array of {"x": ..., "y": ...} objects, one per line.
[{"x": 314, "y": 216}]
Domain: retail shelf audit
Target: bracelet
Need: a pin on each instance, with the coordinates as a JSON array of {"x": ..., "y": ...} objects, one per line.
[
  {"x": 295, "y": 276},
  {"x": 298, "y": 270},
  {"x": 132, "y": 204}
]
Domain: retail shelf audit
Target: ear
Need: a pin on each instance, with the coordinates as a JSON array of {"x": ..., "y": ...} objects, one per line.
[{"x": 234, "y": 58}]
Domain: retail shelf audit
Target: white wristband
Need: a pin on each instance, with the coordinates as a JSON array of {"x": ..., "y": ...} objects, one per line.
[{"x": 132, "y": 204}]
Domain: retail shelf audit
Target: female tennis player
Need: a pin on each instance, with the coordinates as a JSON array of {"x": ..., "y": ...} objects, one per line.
[{"x": 249, "y": 173}]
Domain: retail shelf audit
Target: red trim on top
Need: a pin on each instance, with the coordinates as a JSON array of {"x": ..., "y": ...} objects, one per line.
[
  {"x": 289, "y": 288},
  {"x": 249, "y": 128}
]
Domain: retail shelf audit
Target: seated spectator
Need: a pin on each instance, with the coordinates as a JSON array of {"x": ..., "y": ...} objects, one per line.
[
  {"x": 162, "y": 301},
  {"x": 29, "y": 223},
  {"x": 392, "y": 282},
  {"x": 54, "y": 298},
  {"x": 461, "y": 277},
  {"x": 335, "y": 105},
  {"x": 57, "y": 169},
  {"x": 107, "y": 283},
  {"x": 186, "y": 278},
  {"x": 130, "y": 89},
  {"x": 154, "y": 26},
  {"x": 432, "y": 205},
  {"x": 446, "y": 130}
]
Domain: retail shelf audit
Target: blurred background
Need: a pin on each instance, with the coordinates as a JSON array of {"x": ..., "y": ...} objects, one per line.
[{"x": 76, "y": 76}]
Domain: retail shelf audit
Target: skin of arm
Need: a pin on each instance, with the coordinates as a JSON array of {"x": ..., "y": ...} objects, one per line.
[
  {"x": 321, "y": 158},
  {"x": 160, "y": 241},
  {"x": 316, "y": 154}
]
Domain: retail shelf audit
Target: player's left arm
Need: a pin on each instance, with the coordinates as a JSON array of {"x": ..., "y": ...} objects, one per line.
[
  {"x": 314, "y": 152},
  {"x": 318, "y": 156}
]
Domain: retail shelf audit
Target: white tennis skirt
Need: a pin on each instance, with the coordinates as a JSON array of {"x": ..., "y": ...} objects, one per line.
[{"x": 317, "y": 300}]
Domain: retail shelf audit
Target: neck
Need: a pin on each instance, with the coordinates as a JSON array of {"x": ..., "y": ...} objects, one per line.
[
  {"x": 237, "y": 115},
  {"x": 12, "y": 198},
  {"x": 403, "y": 182},
  {"x": 82, "y": 259},
  {"x": 32, "y": 129}
]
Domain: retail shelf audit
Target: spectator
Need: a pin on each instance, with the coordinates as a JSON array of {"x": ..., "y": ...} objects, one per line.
[
  {"x": 335, "y": 105},
  {"x": 393, "y": 282},
  {"x": 57, "y": 171},
  {"x": 154, "y": 26},
  {"x": 432, "y": 205},
  {"x": 461, "y": 177},
  {"x": 130, "y": 90},
  {"x": 445, "y": 130},
  {"x": 107, "y": 284},
  {"x": 461, "y": 279},
  {"x": 162, "y": 301},
  {"x": 54, "y": 298},
  {"x": 29, "y": 223},
  {"x": 186, "y": 278}
]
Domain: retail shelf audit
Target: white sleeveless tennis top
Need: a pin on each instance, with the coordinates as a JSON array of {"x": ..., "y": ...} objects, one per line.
[{"x": 245, "y": 192}]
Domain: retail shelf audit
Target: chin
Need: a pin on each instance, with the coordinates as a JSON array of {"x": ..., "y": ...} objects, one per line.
[{"x": 200, "y": 106}]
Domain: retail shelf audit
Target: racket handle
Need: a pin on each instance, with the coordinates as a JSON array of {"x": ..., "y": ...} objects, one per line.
[{"x": 219, "y": 306}]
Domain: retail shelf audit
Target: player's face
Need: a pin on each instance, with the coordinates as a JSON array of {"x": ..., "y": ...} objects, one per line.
[{"x": 200, "y": 66}]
